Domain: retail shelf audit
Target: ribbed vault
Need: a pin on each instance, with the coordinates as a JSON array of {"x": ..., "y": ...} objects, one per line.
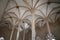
[{"x": 28, "y": 16}]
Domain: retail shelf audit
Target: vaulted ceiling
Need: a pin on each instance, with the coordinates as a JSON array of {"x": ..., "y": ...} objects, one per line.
[
  {"x": 28, "y": 14},
  {"x": 22, "y": 10}
]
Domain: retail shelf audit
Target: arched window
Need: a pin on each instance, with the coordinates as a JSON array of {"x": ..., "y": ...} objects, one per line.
[
  {"x": 25, "y": 25},
  {"x": 53, "y": 37}
]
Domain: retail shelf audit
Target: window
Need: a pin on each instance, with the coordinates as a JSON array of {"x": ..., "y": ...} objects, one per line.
[
  {"x": 53, "y": 37},
  {"x": 25, "y": 25}
]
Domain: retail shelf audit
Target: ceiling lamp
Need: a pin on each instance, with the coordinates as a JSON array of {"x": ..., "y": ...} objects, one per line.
[{"x": 1, "y": 38}]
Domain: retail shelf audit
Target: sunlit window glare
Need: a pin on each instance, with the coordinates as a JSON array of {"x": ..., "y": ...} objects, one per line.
[
  {"x": 52, "y": 39},
  {"x": 25, "y": 25}
]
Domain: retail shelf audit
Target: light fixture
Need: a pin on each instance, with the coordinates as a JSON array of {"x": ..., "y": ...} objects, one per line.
[{"x": 1, "y": 38}]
